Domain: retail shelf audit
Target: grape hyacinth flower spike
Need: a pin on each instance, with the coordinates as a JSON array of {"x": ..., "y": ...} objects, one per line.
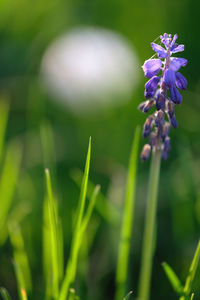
[{"x": 162, "y": 90}]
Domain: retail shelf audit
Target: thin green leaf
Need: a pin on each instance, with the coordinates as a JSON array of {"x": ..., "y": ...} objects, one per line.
[
  {"x": 72, "y": 295},
  {"x": 8, "y": 181},
  {"x": 72, "y": 262},
  {"x": 127, "y": 296},
  {"x": 21, "y": 264},
  {"x": 192, "y": 271},
  {"x": 105, "y": 208},
  {"x": 4, "y": 294},
  {"x": 192, "y": 296},
  {"x": 54, "y": 235},
  {"x": 173, "y": 278},
  {"x": 4, "y": 112},
  {"x": 126, "y": 228},
  {"x": 89, "y": 210}
]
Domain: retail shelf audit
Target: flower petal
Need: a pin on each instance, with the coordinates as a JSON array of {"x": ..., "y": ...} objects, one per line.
[
  {"x": 166, "y": 39},
  {"x": 177, "y": 62},
  {"x": 173, "y": 40},
  {"x": 169, "y": 77},
  {"x": 152, "y": 67},
  {"x": 177, "y": 48},
  {"x": 181, "y": 81},
  {"x": 174, "y": 122},
  {"x": 175, "y": 95},
  {"x": 151, "y": 86},
  {"x": 160, "y": 50}
]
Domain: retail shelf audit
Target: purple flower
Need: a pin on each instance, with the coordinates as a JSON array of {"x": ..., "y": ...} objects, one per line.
[
  {"x": 151, "y": 86},
  {"x": 169, "y": 77},
  {"x": 152, "y": 67},
  {"x": 160, "y": 100},
  {"x": 177, "y": 62},
  {"x": 177, "y": 48},
  {"x": 173, "y": 122},
  {"x": 159, "y": 50},
  {"x": 181, "y": 81},
  {"x": 175, "y": 95},
  {"x": 163, "y": 92}
]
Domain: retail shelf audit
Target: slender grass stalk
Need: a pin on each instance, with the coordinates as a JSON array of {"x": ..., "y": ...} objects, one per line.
[
  {"x": 126, "y": 228},
  {"x": 4, "y": 294},
  {"x": 54, "y": 241},
  {"x": 149, "y": 231},
  {"x": 72, "y": 262},
  {"x": 191, "y": 274},
  {"x": 4, "y": 112},
  {"x": 185, "y": 292},
  {"x": 105, "y": 208},
  {"x": 8, "y": 181},
  {"x": 21, "y": 263}
]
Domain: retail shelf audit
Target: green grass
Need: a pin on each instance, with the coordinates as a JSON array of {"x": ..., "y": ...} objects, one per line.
[
  {"x": 60, "y": 272},
  {"x": 127, "y": 223},
  {"x": 184, "y": 291}
]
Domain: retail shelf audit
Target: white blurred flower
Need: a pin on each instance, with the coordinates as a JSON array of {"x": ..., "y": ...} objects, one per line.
[{"x": 89, "y": 69}]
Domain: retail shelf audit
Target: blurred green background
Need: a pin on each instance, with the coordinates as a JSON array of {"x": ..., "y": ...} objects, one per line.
[{"x": 51, "y": 135}]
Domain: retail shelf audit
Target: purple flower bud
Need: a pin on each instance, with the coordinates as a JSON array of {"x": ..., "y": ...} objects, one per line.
[
  {"x": 165, "y": 155},
  {"x": 173, "y": 122},
  {"x": 148, "y": 106},
  {"x": 152, "y": 67},
  {"x": 148, "y": 126},
  {"x": 159, "y": 120},
  {"x": 167, "y": 146},
  {"x": 181, "y": 81},
  {"x": 160, "y": 50},
  {"x": 169, "y": 77},
  {"x": 175, "y": 95},
  {"x": 151, "y": 86},
  {"x": 153, "y": 139},
  {"x": 160, "y": 100},
  {"x": 170, "y": 108},
  {"x": 142, "y": 105},
  {"x": 165, "y": 130},
  {"x": 145, "y": 152}
]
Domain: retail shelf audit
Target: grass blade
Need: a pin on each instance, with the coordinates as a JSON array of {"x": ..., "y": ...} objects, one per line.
[
  {"x": 148, "y": 247},
  {"x": 8, "y": 181},
  {"x": 4, "y": 112},
  {"x": 21, "y": 264},
  {"x": 54, "y": 232},
  {"x": 126, "y": 229},
  {"x": 89, "y": 210},
  {"x": 192, "y": 296},
  {"x": 192, "y": 271},
  {"x": 72, "y": 262},
  {"x": 106, "y": 209},
  {"x": 72, "y": 295},
  {"x": 173, "y": 278},
  {"x": 127, "y": 296},
  {"x": 4, "y": 294}
]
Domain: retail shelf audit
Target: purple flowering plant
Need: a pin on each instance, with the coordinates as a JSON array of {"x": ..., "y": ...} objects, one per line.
[{"x": 162, "y": 90}]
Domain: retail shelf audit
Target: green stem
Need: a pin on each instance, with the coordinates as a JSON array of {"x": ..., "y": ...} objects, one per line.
[{"x": 149, "y": 232}]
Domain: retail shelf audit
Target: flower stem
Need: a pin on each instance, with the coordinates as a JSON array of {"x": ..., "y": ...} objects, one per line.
[{"x": 149, "y": 231}]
